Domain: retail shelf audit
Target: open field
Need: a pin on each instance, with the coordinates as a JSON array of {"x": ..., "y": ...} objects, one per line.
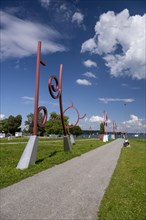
[
  {"x": 125, "y": 197},
  {"x": 50, "y": 152}
]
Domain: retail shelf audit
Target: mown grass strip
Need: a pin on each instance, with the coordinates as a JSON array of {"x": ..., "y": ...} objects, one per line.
[
  {"x": 25, "y": 139},
  {"x": 125, "y": 197},
  {"x": 49, "y": 154}
]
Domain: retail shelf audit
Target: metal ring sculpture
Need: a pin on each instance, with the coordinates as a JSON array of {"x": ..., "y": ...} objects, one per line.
[
  {"x": 44, "y": 117},
  {"x": 57, "y": 88},
  {"x": 78, "y": 118}
]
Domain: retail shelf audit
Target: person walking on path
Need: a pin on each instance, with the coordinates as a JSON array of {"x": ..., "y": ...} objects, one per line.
[{"x": 70, "y": 191}]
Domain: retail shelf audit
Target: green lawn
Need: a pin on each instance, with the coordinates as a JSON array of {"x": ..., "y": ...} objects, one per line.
[
  {"x": 125, "y": 197},
  {"x": 50, "y": 152}
]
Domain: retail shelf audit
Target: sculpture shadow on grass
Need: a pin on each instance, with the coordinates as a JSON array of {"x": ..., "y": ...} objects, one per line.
[{"x": 50, "y": 155}]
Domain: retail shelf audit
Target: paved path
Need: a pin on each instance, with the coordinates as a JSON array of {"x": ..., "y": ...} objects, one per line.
[{"x": 69, "y": 191}]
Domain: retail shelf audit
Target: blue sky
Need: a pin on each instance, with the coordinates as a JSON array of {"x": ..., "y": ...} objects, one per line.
[{"x": 101, "y": 45}]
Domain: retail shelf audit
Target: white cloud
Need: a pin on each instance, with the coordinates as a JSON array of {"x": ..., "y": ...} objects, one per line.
[
  {"x": 78, "y": 17},
  {"x": 89, "y": 63},
  {"x": 86, "y": 119},
  {"x": 19, "y": 37},
  {"x": 120, "y": 38},
  {"x": 45, "y": 3},
  {"x": 124, "y": 85},
  {"x": 135, "y": 124},
  {"x": 27, "y": 99},
  {"x": 2, "y": 116},
  {"x": 90, "y": 75},
  {"x": 30, "y": 100},
  {"x": 83, "y": 82},
  {"x": 63, "y": 7},
  {"x": 106, "y": 100},
  {"x": 88, "y": 45},
  {"x": 96, "y": 118}
]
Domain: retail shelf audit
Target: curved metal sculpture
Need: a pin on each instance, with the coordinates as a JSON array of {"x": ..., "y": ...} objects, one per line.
[
  {"x": 78, "y": 115},
  {"x": 56, "y": 92},
  {"x": 44, "y": 117},
  {"x": 57, "y": 88}
]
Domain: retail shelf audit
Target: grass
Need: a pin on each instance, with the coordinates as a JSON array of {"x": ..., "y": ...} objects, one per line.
[
  {"x": 25, "y": 139},
  {"x": 125, "y": 197},
  {"x": 50, "y": 152}
]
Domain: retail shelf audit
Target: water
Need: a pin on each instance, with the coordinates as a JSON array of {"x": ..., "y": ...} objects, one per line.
[
  {"x": 137, "y": 136},
  {"x": 129, "y": 135}
]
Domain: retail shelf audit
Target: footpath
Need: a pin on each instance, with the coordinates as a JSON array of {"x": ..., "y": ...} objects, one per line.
[{"x": 70, "y": 191}]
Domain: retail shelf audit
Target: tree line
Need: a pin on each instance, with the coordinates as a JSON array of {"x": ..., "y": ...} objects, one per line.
[{"x": 12, "y": 124}]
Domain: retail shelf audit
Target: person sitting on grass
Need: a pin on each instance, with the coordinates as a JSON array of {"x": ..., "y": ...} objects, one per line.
[{"x": 126, "y": 143}]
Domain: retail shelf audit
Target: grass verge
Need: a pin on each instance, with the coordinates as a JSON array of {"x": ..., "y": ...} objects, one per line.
[
  {"x": 49, "y": 154},
  {"x": 125, "y": 197}
]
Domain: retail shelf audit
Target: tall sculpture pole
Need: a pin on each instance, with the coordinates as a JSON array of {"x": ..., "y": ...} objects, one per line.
[
  {"x": 37, "y": 89},
  {"x": 56, "y": 92},
  {"x": 29, "y": 154},
  {"x": 36, "y": 100},
  {"x": 114, "y": 128},
  {"x": 105, "y": 119}
]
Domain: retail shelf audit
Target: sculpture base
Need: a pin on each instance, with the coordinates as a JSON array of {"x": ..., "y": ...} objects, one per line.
[
  {"x": 105, "y": 138},
  {"x": 67, "y": 143},
  {"x": 29, "y": 154},
  {"x": 72, "y": 140}
]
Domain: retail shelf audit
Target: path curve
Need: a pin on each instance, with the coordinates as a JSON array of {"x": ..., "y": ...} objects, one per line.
[{"x": 70, "y": 191}]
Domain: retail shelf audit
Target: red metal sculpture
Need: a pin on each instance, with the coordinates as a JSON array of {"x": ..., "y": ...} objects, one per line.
[
  {"x": 56, "y": 92},
  {"x": 29, "y": 154},
  {"x": 36, "y": 100},
  {"x": 78, "y": 115}
]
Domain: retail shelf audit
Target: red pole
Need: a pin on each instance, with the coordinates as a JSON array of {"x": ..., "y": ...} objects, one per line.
[
  {"x": 37, "y": 89},
  {"x": 60, "y": 101},
  {"x": 113, "y": 127}
]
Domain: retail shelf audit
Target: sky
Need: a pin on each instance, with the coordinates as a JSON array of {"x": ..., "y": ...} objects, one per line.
[{"x": 101, "y": 44}]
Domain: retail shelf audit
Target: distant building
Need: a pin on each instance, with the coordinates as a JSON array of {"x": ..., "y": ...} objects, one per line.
[
  {"x": 2, "y": 135},
  {"x": 18, "y": 134}
]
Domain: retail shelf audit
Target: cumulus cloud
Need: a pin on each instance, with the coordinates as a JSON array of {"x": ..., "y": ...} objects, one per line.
[
  {"x": 83, "y": 82},
  {"x": 134, "y": 122},
  {"x": 106, "y": 100},
  {"x": 2, "y": 116},
  {"x": 89, "y": 63},
  {"x": 120, "y": 39},
  {"x": 96, "y": 118},
  {"x": 45, "y": 3},
  {"x": 19, "y": 37},
  {"x": 78, "y": 18},
  {"x": 90, "y": 75}
]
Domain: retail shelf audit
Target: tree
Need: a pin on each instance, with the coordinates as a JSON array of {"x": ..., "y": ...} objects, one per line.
[
  {"x": 4, "y": 125},
  {"x": 76, "y": 131},
  {"x": 30, "y": 121},
  {"x": 54, "y": 125},
  {"x": 11, "y": 124},
  {"x": 14, "y": 124},
  {"x": 101, "y": 128}
]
